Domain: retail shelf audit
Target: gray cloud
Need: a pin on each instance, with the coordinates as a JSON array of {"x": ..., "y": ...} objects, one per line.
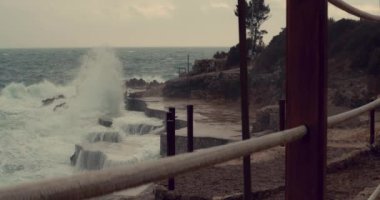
[{"x": 78, "y": 23}]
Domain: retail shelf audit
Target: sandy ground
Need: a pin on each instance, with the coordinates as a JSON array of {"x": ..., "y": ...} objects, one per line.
[
  {"x": 268, "y": 166},
  {"x": 268, "y": 172}
]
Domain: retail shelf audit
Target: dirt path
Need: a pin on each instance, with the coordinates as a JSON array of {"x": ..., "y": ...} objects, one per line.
[
  {"x": 268, "y": 172},
  {"x": 356, "y": 182}
]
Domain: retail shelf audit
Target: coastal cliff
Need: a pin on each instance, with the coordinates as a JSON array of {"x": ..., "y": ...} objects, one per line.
[{"x": 354, "y": 69}]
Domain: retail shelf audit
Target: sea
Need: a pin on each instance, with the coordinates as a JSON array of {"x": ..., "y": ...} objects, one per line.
[{"x": 37, "y": 139}]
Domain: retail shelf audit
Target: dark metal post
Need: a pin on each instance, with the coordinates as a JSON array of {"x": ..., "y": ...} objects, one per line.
[
  {"x": 306, "y": 97},
  {"x": 190, "y": 137},
  {"x": 281, "y": 112},
  {"x": 170, "y": 142},
  {"x": 372, "y": 127},
  {"x": 242, "y": 11},
  {"x": 172, "y": 110}
]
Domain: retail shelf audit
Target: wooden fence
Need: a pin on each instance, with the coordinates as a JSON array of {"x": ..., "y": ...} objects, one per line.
[{"x": 310, "y": 137}]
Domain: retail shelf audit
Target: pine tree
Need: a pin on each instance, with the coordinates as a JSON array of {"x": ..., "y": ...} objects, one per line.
[{"x": 257, "y": 14}]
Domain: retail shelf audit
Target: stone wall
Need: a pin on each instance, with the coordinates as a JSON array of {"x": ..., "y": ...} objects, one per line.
[
  {"x": 181, "y": 141},
  {"x": 267, "y": 118},
  {"x": 210, "y": 85}
]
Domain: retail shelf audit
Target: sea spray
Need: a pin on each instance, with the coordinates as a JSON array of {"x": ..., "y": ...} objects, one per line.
[
  {"x": 99, "y": 83},
  {"x": 36, "y": 141}
]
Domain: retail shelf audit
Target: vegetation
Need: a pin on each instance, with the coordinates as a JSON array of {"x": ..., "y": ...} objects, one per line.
[
  {"x": 354, "y": 42},
  {"x": 353, "y": 64},
  {"x": 234, "y": 55},
  {"x": 220, "y": 55},
  {"x": 257, "y": 14}
]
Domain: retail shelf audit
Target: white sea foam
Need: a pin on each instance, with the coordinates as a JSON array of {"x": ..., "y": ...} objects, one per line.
[
  {"x": 36, "y": 142},
  {"x": 99, "y": 84}
]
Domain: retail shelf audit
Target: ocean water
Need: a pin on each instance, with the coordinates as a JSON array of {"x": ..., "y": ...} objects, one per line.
[
  {"x": 36, "y": 140},
  {"x": 59, "y": 66}
]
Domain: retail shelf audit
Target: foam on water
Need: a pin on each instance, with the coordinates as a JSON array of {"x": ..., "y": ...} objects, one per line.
[{"x": 36, "y": 142}]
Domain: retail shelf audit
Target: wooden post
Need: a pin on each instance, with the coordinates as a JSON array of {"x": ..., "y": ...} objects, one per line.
[
  {"x": 306, "y": 97},
  {"x": 190, "y": 135},
  {"x": 170, "y": 142},
  {"x": 242, "y": 11},
  {"x": 372, "y": 127},
  {"x": 172, "y": 110}
]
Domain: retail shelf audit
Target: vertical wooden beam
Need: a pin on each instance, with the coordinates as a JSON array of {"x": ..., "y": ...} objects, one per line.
[
  {"x": 170, "y": 142},
  {"x": 190, "y": 135},
  {"x": 172, "y": 110},
  {"x": 306, "y": 97},
  {"x": 242, "y": 11}
]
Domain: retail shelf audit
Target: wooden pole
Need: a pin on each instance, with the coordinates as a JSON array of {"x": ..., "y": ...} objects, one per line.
[
  {"x": 242, "y": 11},
  {"x": 306, "y": 97},
  {"x": 190, "y": 135},
  {"x": 170, "y": 135}
]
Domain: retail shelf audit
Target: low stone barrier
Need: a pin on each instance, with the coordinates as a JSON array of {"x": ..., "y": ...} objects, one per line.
[{"x": 181, "y": 141}]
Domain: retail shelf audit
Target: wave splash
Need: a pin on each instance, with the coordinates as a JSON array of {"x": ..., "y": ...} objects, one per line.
[
  {"x": 99, "y": 83},
  {"x": 97, "y": 88},
  {"x": 37, "y": 140}
]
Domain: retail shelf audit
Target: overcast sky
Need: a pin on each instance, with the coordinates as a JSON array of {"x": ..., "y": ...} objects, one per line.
[{"x": 131, "y": 23}]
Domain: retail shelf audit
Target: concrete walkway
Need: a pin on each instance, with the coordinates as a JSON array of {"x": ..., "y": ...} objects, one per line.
[{"x": 211, "y": 119}]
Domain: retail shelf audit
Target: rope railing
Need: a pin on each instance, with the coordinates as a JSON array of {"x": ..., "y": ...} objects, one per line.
[
  {"x": 354, "y": 11},
  {"x": 98, "y": 183},
  {"x": 106, "y": 181},
  {"x": 375, "y": 193},
  {"x": 333, "y": 120}
]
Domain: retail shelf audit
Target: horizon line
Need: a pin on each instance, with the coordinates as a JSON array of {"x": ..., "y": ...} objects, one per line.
[{"x": 83, "y": 47}]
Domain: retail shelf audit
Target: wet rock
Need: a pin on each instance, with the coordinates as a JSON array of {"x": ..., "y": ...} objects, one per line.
[
  {"x": 62, "y": 105},
  {"x": 140, "y": 129},
  {"x": 113, "y": 137},
  {"x": 48, "y": 101},
  {"x": 86, "y": 159},
  {"x": 74, "y": 157},
  {"x": 105, "y": 121},
  {"x": 136, "y": 83}
]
